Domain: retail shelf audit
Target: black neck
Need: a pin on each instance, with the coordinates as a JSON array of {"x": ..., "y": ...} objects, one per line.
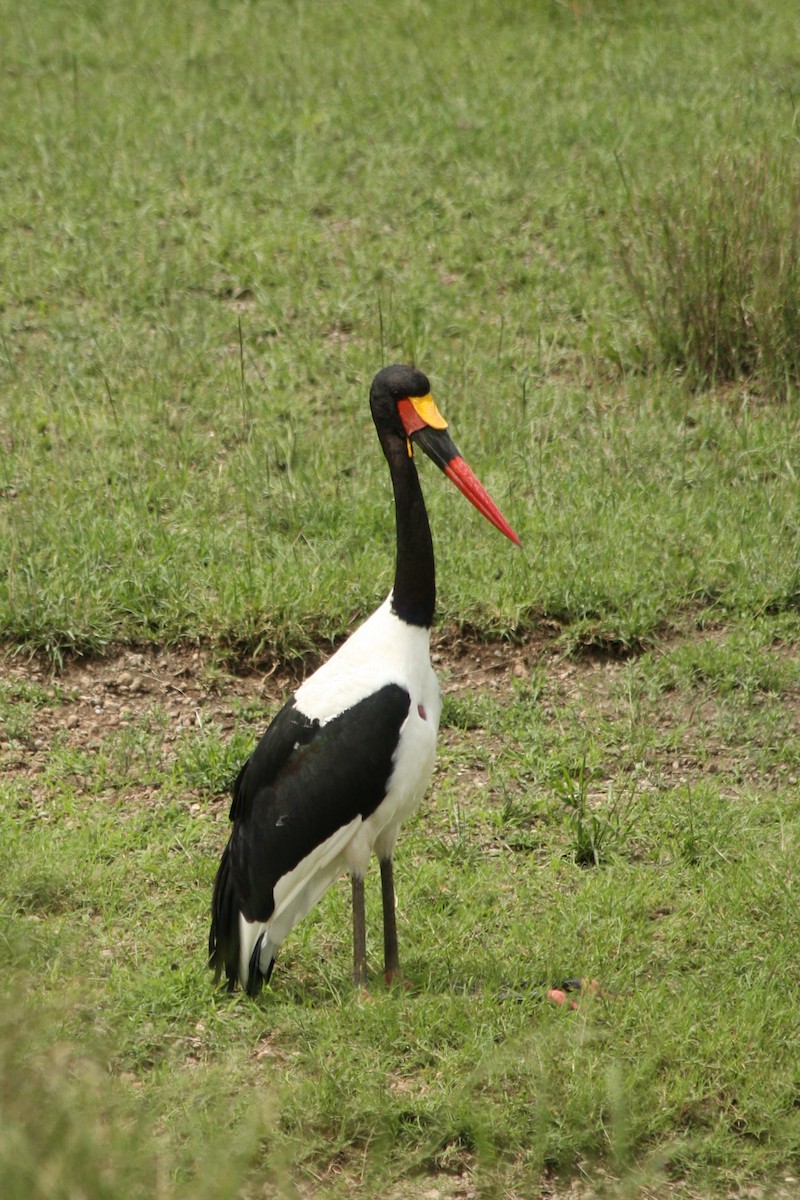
[{"x": 414, "y": 593}]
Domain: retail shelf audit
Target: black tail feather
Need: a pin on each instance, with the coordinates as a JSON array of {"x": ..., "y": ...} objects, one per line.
[
  {"x": 223, "y": 938},
  {"x": 256, "y": 978}
]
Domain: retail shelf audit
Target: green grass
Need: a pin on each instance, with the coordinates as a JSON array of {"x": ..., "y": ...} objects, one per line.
[
  {"x": 684, "y": 1075},
  {"x": 207, "y": 249},
  {"x": 714, "y": 263},
  {"x": 216, "y": 223}
]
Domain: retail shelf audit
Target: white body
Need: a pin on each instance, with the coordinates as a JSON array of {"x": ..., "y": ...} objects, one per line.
[{"x": 383, "y": 650}]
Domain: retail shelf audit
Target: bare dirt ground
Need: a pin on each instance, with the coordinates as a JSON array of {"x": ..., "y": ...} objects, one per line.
[{"x": 91, "y": 697}]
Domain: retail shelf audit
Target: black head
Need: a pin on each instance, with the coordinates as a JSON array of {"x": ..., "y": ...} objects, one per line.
[{"x": 389, "y": 387}]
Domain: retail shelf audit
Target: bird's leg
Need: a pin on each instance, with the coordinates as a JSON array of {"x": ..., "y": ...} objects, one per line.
[
  {"x": 359, "y": 933},
  {"x": 391, "y": 957}
]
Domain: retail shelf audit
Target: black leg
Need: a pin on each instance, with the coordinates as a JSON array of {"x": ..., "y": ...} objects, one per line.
[
  {"x": 359, "y": 934},
  {"x": 391, "y": 957}
]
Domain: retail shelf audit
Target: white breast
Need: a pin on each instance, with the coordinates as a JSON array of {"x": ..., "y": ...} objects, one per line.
[{"x": 383, "y": 650}]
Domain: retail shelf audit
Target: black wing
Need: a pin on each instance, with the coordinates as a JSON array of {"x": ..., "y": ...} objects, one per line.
[
  {"x": 302, "y": 783},
  {"x": 286, "y": 733}
]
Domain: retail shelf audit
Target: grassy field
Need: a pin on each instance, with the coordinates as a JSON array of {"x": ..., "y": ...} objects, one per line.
[{"x": 583, "y": 221}]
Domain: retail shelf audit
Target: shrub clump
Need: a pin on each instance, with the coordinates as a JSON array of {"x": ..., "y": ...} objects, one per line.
[{"x": 712, "y": 261}]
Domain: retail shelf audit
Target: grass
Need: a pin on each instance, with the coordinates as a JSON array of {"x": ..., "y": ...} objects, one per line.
[
  {"x": 685, "y": 916},
  {"x": 206, "y": 250},
  {"x": 216, "y": 223},
  {"x": 713, "y": 263}
]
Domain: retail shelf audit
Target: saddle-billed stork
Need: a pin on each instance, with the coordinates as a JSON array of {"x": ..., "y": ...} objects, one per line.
[{"x": 351, "y": 753}]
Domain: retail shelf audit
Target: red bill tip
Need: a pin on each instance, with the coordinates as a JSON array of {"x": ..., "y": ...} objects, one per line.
[{"x": 467, "y": 482}]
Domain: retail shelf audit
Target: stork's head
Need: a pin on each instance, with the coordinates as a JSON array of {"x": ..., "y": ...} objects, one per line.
[{"x": 403, "y": 408}]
